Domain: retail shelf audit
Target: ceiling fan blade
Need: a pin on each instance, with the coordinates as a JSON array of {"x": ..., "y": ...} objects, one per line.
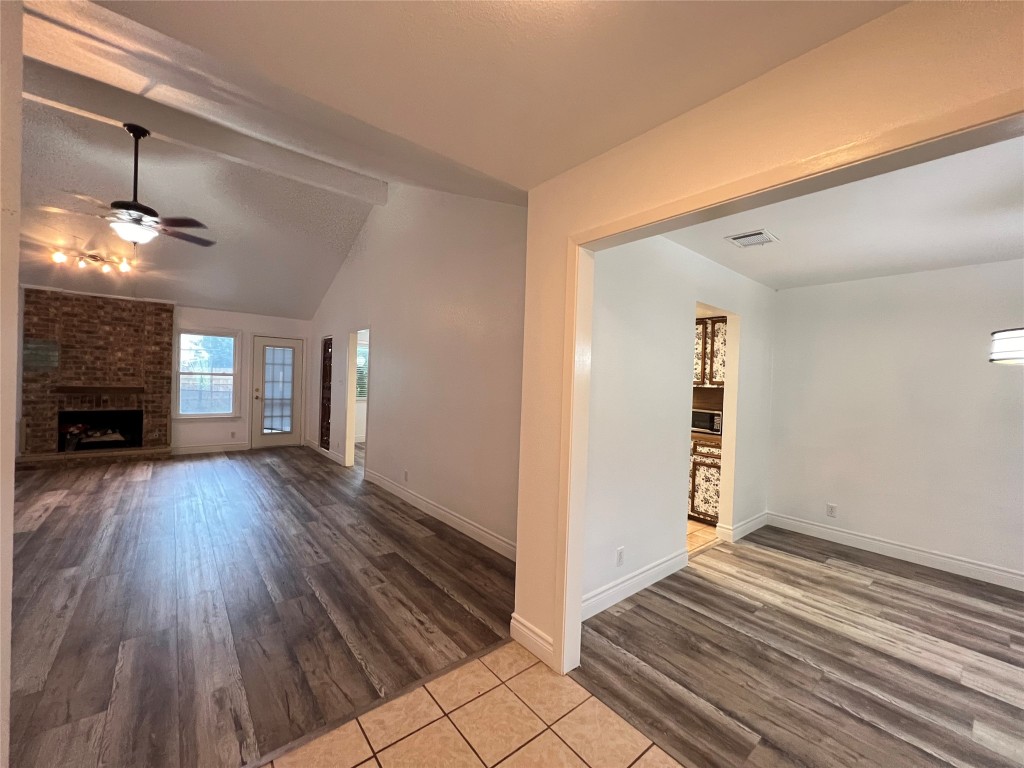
[
  {"x": 91, "y": 200},
  {"x": 54, "y": 209},
  {"x": 181, "y": 222},
  {"x": 188, "y": 238}
]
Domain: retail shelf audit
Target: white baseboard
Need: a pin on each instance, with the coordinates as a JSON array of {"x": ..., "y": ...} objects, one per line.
[
  {"x": 335, "y": 457},
  {"x": 184, "y": 450},
  {"x": 474, "y": 530},
  {"x": 962, "y": 566},
  {"x": 532, "y": 639},
  {"x": 608, "y": 595},
  {"x": 735, "y": 532}
]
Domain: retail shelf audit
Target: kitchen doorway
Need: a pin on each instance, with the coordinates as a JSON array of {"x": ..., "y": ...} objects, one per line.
[
  {"x": 326, "y": 375},
  {"x": 711, "y": 328}
]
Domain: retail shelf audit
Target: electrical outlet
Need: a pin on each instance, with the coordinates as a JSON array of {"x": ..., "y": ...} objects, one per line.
[
  {"x": 232, "y": 434},
  {"x": 830, "y": 509},
  {"x": 405, "y": 475},
  {"x": 620, "y": 555}
]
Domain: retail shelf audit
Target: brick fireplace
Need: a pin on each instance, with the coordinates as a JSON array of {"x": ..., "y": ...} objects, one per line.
[{"x": 92, "y": 353}]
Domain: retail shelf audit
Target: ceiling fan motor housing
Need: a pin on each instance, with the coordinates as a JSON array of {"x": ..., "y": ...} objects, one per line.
[{"x": 134, "y": 207}]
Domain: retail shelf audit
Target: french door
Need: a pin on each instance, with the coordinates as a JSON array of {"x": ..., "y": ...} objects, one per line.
[{"x": 276, "y": 392}]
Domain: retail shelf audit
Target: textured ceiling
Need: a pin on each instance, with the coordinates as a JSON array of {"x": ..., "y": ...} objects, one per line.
[
  {"x": 520, "y": 91},
  {"x": 279, "y": 242},
  {"x": 958, "y": 210}
]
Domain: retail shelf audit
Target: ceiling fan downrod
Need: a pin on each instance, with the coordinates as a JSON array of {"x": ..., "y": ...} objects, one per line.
[{"x": 138, "y": 133}]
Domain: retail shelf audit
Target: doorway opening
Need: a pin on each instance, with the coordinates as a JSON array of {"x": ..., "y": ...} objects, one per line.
[
  {"x": 706, "y": 427},
  {"x": 326, "y": 355},
  {"x": 277, "y": 392},
  {"x": 358, "y": 398}
]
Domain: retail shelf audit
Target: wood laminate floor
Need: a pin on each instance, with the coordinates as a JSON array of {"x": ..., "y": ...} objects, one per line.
[
  {"x": 207, "y": 610},
  {"x": 785, "y": 650}
]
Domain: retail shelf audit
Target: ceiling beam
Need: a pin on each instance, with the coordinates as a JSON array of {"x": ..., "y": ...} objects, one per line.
[
  {"x": 67, "y": 91},
  {"x": 96, "y": 43}
]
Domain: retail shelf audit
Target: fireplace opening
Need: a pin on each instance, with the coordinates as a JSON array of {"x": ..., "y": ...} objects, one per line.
[{"x": 98, "y": 430}]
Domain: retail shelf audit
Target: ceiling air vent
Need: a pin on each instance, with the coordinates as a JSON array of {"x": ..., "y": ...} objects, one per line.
[{"x": 757, "y": 237}]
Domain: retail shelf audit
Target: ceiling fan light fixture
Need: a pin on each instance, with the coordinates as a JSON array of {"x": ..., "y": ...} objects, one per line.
[
  {"x": 82, "y": 263},
  {"x": 124, "y": 266},
  {"x": 106, "y": 268},
  {"x": 59, "y": 257},
  {"x": 133, "y": 232}
]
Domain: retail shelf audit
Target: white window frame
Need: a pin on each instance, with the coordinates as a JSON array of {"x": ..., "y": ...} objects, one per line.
[
  {"x": 235, "y": 375},
  {"x": 362, "y": 398}
]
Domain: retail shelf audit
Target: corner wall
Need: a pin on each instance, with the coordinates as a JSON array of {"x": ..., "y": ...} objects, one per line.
[
  {"x": 438, "y": 280},
  {"x": 885, "y": 404},
  {"x": 645, "y": 297}
]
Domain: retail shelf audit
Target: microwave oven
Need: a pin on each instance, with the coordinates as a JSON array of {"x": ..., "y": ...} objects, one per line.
[{"x": 709, "y": 422}]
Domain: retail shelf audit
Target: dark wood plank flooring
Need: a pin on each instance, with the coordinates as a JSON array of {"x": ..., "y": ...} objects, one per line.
[
  {"x": 785, "y": 650},
  {"x": 205, "y": 611}
]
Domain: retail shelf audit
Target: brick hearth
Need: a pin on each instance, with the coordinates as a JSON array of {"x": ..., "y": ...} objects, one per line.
[{"x": 121, "y": 350}]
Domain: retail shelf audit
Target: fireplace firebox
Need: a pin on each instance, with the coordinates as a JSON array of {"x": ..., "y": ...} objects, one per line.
[{"x": 98, "y": 430}]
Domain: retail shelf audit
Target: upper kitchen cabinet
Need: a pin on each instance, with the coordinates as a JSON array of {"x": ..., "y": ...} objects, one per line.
[
  {"x": 709, "y": 352},
  {"x": 700, "y": 340}
]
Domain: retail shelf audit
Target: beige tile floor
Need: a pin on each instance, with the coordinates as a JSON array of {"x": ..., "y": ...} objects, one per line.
[
  {"x": 505, "y": 709},
  {"x": 699, "y": 535}
]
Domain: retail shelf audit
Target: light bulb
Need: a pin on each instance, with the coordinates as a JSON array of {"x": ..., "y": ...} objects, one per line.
[
  {"x": 124, "y": 266},
  {"x": 105, "y": 267},
  {"x": 133, "y": 232},
  {"x": 59, "y": 258},
  {"x": 81, "y": 263}
]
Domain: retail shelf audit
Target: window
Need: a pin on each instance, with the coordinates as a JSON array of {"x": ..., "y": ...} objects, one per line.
[
  {"x": 207, "y": 368},
  {"x": 362, "y": 371}
]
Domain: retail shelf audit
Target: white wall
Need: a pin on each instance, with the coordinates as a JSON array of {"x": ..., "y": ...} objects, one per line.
[
  {"x": 885, "y": 404},
  {"x": 438, "y": 280},
  {"x": 645, "y": 296},
  {"x": 10, "y": 232},
  {"x": 196, "y": 435}
]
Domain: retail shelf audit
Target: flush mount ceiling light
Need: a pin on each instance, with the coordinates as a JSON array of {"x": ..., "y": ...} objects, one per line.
[{"x": 1007, "y": 347}]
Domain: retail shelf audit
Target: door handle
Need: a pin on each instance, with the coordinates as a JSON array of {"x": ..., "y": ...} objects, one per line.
[{"x": 255, "y": 397}]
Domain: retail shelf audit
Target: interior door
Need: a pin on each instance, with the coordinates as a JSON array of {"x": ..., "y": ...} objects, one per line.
[
  {"x": 277, "y": 392},
  {"x": 326, "y": 357}
]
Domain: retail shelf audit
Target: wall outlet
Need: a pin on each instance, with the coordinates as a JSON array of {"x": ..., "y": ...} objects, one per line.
[
  {"x": 830, "y": 509},
  {"x": 620, "y": 556},
  {"x": 405, "y": 476},
  {"x": 232, "y": 434}
]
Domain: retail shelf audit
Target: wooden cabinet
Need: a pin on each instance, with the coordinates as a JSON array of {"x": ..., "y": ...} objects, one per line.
[
  {"x": 705, "y": 480},
  {"x": 700, "y": 339},
  {"x": 709, "y": 352}
]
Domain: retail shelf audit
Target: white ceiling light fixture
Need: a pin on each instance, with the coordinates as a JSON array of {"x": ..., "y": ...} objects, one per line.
[
  {"x": 59, "y": 257},
  {"x": 133, "y": 232},
  {"x": 1007, "y": 347}
]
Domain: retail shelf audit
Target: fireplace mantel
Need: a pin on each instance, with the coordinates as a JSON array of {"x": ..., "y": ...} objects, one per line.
[{"x": 74, "y": 389}]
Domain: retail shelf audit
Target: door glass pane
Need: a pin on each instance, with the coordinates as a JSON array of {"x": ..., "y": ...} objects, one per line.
[{"x": 278, "y": 366}]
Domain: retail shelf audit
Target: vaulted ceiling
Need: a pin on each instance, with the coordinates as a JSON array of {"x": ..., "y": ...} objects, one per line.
[
  {"x": 281, "y": 124},
  {"x": 279, "y": 242}
]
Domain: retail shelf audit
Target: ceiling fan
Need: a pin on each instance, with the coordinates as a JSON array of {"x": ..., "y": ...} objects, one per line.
[{"x": 135, "y": 222}]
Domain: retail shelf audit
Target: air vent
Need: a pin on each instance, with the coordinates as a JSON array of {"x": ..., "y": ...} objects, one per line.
[{"x": 757, "y": 237}]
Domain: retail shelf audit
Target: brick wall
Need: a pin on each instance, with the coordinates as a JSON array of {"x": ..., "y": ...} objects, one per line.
[{"x": 75, "y": 340}]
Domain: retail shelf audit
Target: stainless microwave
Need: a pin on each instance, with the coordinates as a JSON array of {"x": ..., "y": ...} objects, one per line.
[{"x": 709, "y": 422}]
